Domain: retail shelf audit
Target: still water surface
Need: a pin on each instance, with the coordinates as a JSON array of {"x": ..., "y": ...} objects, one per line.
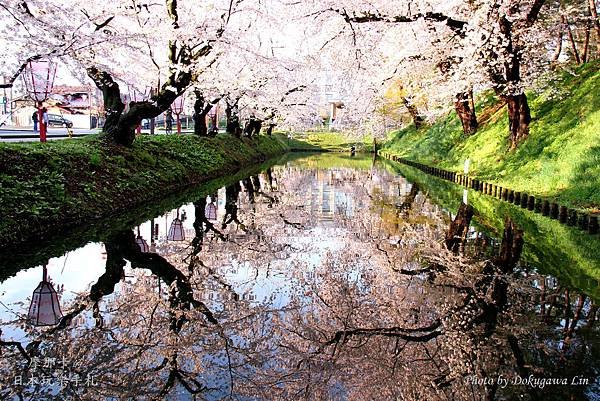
[{"x": 320, "y": 277}]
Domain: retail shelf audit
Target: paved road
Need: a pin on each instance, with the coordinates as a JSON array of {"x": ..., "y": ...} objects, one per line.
[{"x": 27, "y": 135}]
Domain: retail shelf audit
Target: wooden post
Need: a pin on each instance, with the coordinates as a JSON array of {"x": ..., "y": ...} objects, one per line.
[
  {"x": 531, "y": 202},
  {"x": 524, "y": 200},
  {"x": 593, "y": 225},
  {"x": 545, "y": 208},
  {"x": 572, "y": 220},
  {"x": 554, "y": 210},
  {"x": 562, "y": 214},
  {"x": 584, "y": 222}
]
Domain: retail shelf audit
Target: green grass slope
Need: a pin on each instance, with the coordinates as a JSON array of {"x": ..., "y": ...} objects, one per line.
[
  {"x": 46, "y": 186},
  {"x": 560, "y": 159},
  {"x": 329, "y": 141},
  {"x": 552, "y": 248}
]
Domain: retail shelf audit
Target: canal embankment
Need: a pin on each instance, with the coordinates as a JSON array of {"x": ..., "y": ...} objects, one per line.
[
  {"x": 48, "y": 188},
  {"x": 559, "y": 162},
  {"x": 558, "y": 249},
  {"x": 587, "y": 222}
]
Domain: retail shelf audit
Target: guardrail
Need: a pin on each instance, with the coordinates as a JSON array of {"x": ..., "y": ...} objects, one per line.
[{"x": 565, "y": 215}]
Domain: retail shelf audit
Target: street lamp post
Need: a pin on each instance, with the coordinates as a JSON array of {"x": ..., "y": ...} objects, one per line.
[
  {"x": 39, "y": 80},
  {"x": 177, "y": 107}
]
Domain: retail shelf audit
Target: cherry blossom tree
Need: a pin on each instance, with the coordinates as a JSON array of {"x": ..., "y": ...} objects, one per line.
[
  {"x": 164, "y": 46},
  {"x": 494, "y": 45}
]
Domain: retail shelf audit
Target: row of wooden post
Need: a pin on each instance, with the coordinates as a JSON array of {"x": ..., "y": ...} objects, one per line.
[{"x": 553, "y": 210}]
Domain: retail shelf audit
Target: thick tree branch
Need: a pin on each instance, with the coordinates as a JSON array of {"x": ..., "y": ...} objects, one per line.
[
  {"x": 455, "y": 25},
  {"x": 14, "y": 77},
  {"x": 18, "y": 346},
  {"x": 427, "y": 333},
  {"x": 534, "y": 12}
]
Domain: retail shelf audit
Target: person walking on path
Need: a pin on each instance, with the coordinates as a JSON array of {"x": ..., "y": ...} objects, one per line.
[
  {"x": 169, "y": 121},
  {"x": 34, "y": 118}
]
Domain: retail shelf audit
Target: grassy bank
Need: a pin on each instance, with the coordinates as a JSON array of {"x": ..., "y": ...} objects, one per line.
[
  {"x": 564, "y": 252},
  {"x": 560, "y": 159},
  {"x": 330, "y": 142},
  {"x": 47, "y": 188}
]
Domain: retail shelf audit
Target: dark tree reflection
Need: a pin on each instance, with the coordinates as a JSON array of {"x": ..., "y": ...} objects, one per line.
[{"x": 319, "y": 284}]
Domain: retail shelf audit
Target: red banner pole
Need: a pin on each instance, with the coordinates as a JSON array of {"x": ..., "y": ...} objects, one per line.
[{"x": 42, "y": 124}]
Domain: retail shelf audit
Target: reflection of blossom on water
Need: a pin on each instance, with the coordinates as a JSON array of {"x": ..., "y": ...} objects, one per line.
[{"x": 331, "y": 281}]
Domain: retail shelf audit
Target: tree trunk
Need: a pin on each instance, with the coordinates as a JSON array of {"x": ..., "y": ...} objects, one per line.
[
  {"x": 414, "y": 113},
  {"x": 257, "y": 127},
  {"x": 586, "y": 43},
  {"x": 202, "y": 106},
  {"x": 519, "y": 117},
  {"x": 571, "y": 39},
  {"x": 270, "y": 129},
  {"x": 253, "y": 127},
  {"x": 233, "y": 120},
  {"x": 595, "y": 21},
  {"x": 232, "y": 193},
  {"x": 457, "y": 232},
  {"x": 120, "y": 125},
  {"x": 558, "y": 46},
  {"x": 466, "y": 113},
  {"x": 510, "y": 248},
  {"x": 200, "y": 111}
]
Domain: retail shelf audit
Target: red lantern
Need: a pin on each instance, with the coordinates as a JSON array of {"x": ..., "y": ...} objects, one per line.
[
  {"x": 177, "y": 107},
  {"x": 39, "y": 80},
  {"x": 44, "y": 309}
]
